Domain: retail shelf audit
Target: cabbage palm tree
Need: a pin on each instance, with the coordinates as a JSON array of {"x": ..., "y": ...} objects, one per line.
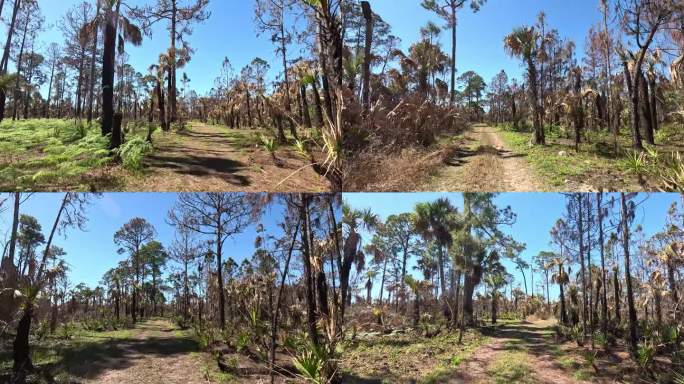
[
  {"x": 434, "y": 222},
  {"x": 352, "y": 222},
  {"x": 523, "y": 43}
]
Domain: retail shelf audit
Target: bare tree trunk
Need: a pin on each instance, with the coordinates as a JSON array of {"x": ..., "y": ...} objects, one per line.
[
  {"x": 633, "y": 337},
  {"x": 91, "y": 93},
  {"x": 368, "y": 15},
  {"x": 305, "y": 107},
  {"x": 306, "y": 256},
  {"x": 5, "y": 55},
  {"x": 19, "y": 69},
  {"x": 108, "y": 68}
]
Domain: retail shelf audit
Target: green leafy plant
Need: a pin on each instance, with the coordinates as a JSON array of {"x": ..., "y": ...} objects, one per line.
[
  {"x": 645, "y": 356},
  {"x": 133, "y": 152},
  {"x": 637, "y": 163},
  {"x": 310, "y": 362}
]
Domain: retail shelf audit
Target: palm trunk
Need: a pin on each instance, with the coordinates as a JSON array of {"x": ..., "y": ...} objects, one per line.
[
  {"x": 563, "y": 312},
  {"x": 305, "y": 107}
]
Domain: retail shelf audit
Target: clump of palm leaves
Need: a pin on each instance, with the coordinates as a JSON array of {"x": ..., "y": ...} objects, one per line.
[
  {"x": 314, "y": 363},
  {"x": 666, "y": 169},
  {"x": 636, "y": 163},
  {"x": 270, "y": 145},
  {"x": 645, "y": 356}
]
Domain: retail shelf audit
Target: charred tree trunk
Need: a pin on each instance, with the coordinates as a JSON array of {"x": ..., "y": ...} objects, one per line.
[
  {"x": 646, "y": 109},
  {"x": 22, "y": 357},
  {"x": 305, "y": 107},
  {"x": 633, "y": 89},
  {"x": 308, "y": 275},
  {"x": 368, "y": 15},
  {"x": 108, "y": 68},
  {"x": 317, "y": 102},
  {"x": 5, "y": 55},
  {"x": 17, "y": 94},
  {"x": 117, "y": 133},
  {"x": 633, "y": 336}
]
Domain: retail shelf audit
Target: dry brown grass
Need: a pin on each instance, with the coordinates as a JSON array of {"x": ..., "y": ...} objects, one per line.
[{"x": 404, "y": 171}]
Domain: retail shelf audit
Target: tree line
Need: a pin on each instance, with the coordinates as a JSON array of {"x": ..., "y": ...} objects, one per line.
[{"x": 455, "y": 268}]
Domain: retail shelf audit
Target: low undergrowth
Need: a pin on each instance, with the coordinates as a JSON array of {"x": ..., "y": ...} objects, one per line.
[
  {"x": 407, "y": 357},
  {"x": 54, "y": 154},
  {"x": 659, "y": 167}
]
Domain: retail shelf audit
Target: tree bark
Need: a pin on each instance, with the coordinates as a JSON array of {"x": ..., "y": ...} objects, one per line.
[
  {"x": 633, "y": 336},
  {"x": 108, "y": 69},
  {"x": 5, "y": 55},
  {"x": 91, "y": 93},
  {"x": 368, "y": 15},
  {"x": 22, "y": 358},
  {"x": 308, "y": 278}
]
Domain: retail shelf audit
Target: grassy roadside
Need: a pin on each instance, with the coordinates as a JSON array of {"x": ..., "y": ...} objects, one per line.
[
  {"x": 594, "y": 166},
  {"x": 408, "y": 357}
]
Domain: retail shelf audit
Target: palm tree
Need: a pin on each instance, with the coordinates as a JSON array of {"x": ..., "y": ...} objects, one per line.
[
  {"x": 415, "y": 285},
  {"x": 352, "y": 221},
  {"x": 496, "y": 277},
  {"x": 561, "y": 278},
  {"x": 434, "y": 222},
  {"x": 523, "y": 43},
  {"x": 371, "y": 274}
]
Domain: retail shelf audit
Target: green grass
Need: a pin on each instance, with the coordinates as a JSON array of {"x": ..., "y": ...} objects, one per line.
[
  {"x": 595, "y": 157},
  {"x": 511, "y": 367},
  {"x": 555, "y": 170},
  {"x": 409, "y": 357}
]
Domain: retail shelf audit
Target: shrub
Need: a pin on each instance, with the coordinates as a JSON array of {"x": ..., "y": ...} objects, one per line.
[
  {"x": 645, "y": 356},
  {"x": 133, "y": 152}
]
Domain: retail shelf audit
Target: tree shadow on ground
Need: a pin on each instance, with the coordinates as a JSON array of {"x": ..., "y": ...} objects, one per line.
[
  {"x": 460, "y": 156},
  {"x": 86, "y": 360},
  {"x": 195, "y": 165}
]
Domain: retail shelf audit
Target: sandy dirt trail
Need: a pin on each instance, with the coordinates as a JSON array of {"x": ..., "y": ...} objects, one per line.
[
  {"x": 526, "y": 338},
  {"x": 483, "y": 162},
  {"x": 209, "y": 158},
  {"x": 154, "y": 353}
]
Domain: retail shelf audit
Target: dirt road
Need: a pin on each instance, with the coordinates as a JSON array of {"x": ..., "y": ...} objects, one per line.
[
  {"x": 483, "y": 162},
  {"x": 213, "y": 158},
  {"x": 154, "y": 352},
  {"x": 518, "y": 353}
]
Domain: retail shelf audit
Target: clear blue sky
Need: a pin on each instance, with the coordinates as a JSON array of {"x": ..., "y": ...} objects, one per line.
[
  {"x": 230, "y": 32},
  {"x": 537, "y": 213},
  {"x": 90, "y": 254}
]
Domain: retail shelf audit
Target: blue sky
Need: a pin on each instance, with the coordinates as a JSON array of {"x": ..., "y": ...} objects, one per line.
[
  {"x": 537, "y": 213},
  {"x": 230, "y": 32},
  {"x": 90, "y": 254}
]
